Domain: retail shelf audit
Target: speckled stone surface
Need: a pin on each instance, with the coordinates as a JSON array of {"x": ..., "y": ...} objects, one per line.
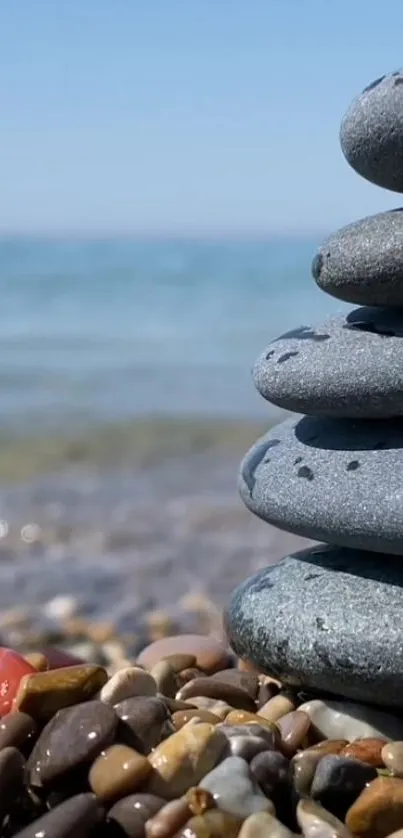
[
  {"x": 333, "y": 480},
  {"x": 351, "y": 365},
  {"x": 363, "y": 262},
  {"x": 371, "y": 133},
  {"x": 328, "y": 618}
]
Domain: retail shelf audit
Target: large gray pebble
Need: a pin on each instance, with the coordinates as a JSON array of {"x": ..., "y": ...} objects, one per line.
[
  {"x": 234, "y": 790},
  {"x": 371, "y": 133}
]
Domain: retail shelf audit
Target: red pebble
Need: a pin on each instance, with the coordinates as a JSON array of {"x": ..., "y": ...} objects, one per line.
[{"x": 12, "y": 668}]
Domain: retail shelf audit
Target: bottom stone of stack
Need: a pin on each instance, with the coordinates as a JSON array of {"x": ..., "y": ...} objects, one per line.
[{"x": 325, "y": 619}]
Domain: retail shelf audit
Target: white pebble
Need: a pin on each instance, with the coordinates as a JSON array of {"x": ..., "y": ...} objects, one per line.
[
  {"x": 347, "y": 720},
  {"x": 127, "y": 683}
]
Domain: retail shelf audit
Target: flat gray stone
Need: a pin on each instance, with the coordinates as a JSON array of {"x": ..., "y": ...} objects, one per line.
[
  {"x": 371, "y": 133},
  {"x": 351, "y": 365},
  {"x": 326, "y": 618},
  {"x": 363, "y": 262},
  {"x": 333, "y": 480}
]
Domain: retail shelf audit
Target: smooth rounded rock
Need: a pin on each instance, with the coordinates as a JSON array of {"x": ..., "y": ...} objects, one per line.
[
  {"x": 128, "y": 683},
  {"x": 338, "y": 781},
  {"x": 316, "y": 822},
  {"x": 118, "y": 771},
  {"x": 75, "y": 736},
  {"x": 231, "y": 693},
  {"x": 11, "y": 777},
  {"x": 132, "y": 812},
  {"x": 42, "y": 694},
  {"x": 344, "y": 719},
  {"x": 287, "y": 474},
  {"x": 209, "y": 653},
  {"x": 234, "y": 789},
  {"x": 349, "y": 366},
  {"x": 170, "y": 819},
  {"x": 13, "y": 668},
  {"x": 319, "y": 619},
  {"x": 367, "y": 750},
  {"x": 246, "y": 681},
  {"x": 363, "y": 262},
  {"x": 378, "y": 810},
  {"x": 182, "y": 717},
  {"x": 264, "y": 825},
  {"x": 278, "y": 706},
  {"x": 145, "y": 721},
  {"x": 17, "y": 729},
  {"x": 371, "y": 133},
  {"x": 184, "y": 758},
  {"x": 271, "y": 770},
  {"x": 213, "y": 824},
  {"x": 74, "y": 818},
  {"x": 392, "y": 756},
  {"x": 293, "y": 729}
]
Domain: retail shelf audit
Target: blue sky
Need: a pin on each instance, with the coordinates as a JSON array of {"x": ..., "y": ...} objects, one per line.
[{"x": 186, "y": 116}]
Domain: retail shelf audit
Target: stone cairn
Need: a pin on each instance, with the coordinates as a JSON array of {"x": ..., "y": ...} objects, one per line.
[{"x": 329, "y": 619}]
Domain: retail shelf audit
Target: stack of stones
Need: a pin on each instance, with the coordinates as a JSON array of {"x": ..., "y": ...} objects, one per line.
[{"x": 330, "y": 619}]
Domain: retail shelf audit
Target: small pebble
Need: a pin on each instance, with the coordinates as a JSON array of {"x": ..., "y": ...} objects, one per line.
[
  {"x": 303, "y": 767},
  {"x": 183, "y": 759},
  {"x": 132, "y": 812},
  {"x": 338, "y": 781},
  {"x": 345, "y": 719},
  {"x": 244, "y": 680},
  {"x": 378, "y": 810},
  {"x": 128, "y": 683},
  {"x": 170, "y": 818},
  {"x": 366, "y": 750},
  {"x": 271, "y": 770},
  {"x": 317, "y": 822},
  {"x": 118, "y": 772},
  {"x": 181, "y": 717},
  {"x": 74, "y": 736},
  {"x": 234, "y": 789},
  {"x": 264, "y": 825},
  {"x": 246, "y": 746},
  {"x": 42, "y": 694},
  {"x": 209, "y": 653},
  {"x": 219, "y": 708},
  {"x": 276, "y": 707},
  {"x": 213, "y": 824},
  {"x": 13, "y": 667},
  {"x": 74, "y": 818},
  {"x": 293, "y": 729},
  {"x": 231, "y": 693},
  {"x": 16, "y": 729},
  {"x": 240, "y": 717},
  {"x": 199, "y": 800},
  {"x": 145, "y": 721},
  {"x": 38, "y": 660},
  {"x": 179, "y": 662},
  {"x": 392, "y": 757},
  {"x": 11, "y": 777},
  {"x": 165, "y": 678}
]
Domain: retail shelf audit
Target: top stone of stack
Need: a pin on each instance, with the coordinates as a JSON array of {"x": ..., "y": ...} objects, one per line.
[{"x": 371, "y": 134}]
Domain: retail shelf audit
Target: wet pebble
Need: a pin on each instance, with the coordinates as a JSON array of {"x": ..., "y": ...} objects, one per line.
[
  {"x": 276, "y": 707},
  {"x": 345, "y": 719},
  {"x": 293, "y": 729},
  {"x": 74, "y": 818},
  {"x": 118, "y": 772},
  {"x": 75, "y": 736},
  {"x": 17, "y": 729},
  {"x": 145, "y": 721},
  {"x": 392, "y": 757},
  {"x": 247, "y": 681},
  {"x": 246, "y": 747},
  {"x": 213, "y": 824},
  {"x": 338, "y": 781},
  {"x": 132, "y": 812},
  {"x": 219, "y": 708},
  {"x": 128, "y": 683},
  {"x": 234, "y": 789},
  {"x": 317, "y": 822},
  {"x": 264, "y": 825},
  {"x": 183, "y": 759},
  {"x": 366, "y": 750},
  {"x": 231, "y": 693},
  {"x": 11, "y": 777},
  {"x": 165, "y": 678},
  {"x": 271, "y": 770},
  {"x": 170, "y": 818},
  {"x": 42, "y": 694},
  {"x": 182, "y": 717},
  {"x": 378, "y": 810}
]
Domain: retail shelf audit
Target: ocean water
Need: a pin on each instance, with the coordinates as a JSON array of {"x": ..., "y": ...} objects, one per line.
[
  {"x": 100, "y": 332},
  {"x": 126, "y": 404}
]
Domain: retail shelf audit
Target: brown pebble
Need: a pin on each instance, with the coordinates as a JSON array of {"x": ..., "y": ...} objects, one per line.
[
  {"x": 366, "y": 750},
  {"x": 184, "y": 758},
  {"x": 392, "y": 757},
  {"x": 303, "y": 768},
  {"x": 38, "y": 660},
  {"x": 277, "y": 706},
  {"x": 169, "y": 819},
  {"x": 329, "y": 746},
  {"x": 244, "y": 680},
  {"x": 118, "y": 772},
  {"x": 179, "y": 662},
  {"x": 145, "y": 721},
  {"x": 187, "y": 675},
  {"x": 317, "y": 822},
  {"x": 165, "y": 678},
  {"x": 209, "y": 653},
  {"x": 230, "y": 693},
  {"x": 181, "y": 717},
  {"x": 219, "y": 708},
  {"x": 213, "y": 824},
  {"x": 42, "y": 694},
  {"x": 173, "y": 705},
  {"x": 293, "y": 729},
  {"x": 378, "y": 811},
  {"x": 132, "y": 812},
  {"x": 264, "y": 825},
  {"x": 199, "y": 800},
  {"x": 241, "y": 717},
  {"x": 16, "y": 729}
]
